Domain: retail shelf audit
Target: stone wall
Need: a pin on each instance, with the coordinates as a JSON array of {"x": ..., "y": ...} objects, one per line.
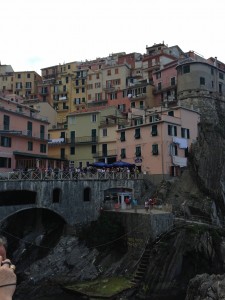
[
  {"x": 141, "y": 226},
  {"x": 71, "y": 206}
]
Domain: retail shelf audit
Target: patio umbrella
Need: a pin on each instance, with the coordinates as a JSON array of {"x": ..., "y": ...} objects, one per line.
[
  {"x": 100, "y": 164},
  {"x": 122, "y": 164}
]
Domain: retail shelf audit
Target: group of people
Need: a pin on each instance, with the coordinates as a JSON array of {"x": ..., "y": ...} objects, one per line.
[{"x": 149, "y": 204}]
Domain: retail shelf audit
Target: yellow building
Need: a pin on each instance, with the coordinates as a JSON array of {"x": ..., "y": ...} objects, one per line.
[
  {"x": 6, "y": 78},
  {"x": 92, "y": 135},
  {"x": 25, "y": 84}
]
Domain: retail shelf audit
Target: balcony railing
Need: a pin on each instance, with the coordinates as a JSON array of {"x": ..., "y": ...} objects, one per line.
[
  {"x": 46, "y": 175},
  {"x": 86, "y": 139},
  {"x": 28, "y": 133},
  {"x": 109, "y": 88},
  {"x": 108, "y": 153},
  {"x": 24, "y": 112}
]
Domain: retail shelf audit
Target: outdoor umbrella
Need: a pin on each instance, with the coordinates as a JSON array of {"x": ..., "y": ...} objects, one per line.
[
  {"x": 122, "y": 164},
  {"x": 99, "y": 164}
]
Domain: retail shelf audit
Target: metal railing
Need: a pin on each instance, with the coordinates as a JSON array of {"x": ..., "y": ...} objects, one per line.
[{"x": 67, "y": 175}]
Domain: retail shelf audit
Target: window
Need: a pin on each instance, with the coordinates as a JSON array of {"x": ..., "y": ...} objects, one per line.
[
  {"x": 72, "y": 136},
  {"x": 123, "y": 153},
  {"x": 185, "y": 133},
  {"x": 83, "y": 90},
  {"x": 62, "y": 153},
  {"x": 29, "y": 128},
  {"x": 97, "y": 85},
  {"x": 6, "y": 122},
  {"x": 138, "y": 121},
  {"x": 173, "y": 149},
  {"x": 94, "y": 118},
  {"x": 68, "y": 67},
  {"x": 98, "y": 96},
  {"x": 5, "y": 162},
  {"x": 76, "y": 82},
  {"x": 28, "y": 85},
  {"x": 202, "y": 80},
  {"x": 65, "y": 106},
  {"x": 220, "y": 87},
  {"x": 109, "y": 72},
  {"x": 56, "y": 195},
  {"x": 138, "y": 151},
  {"x": 141, "y": 104},
  {"x": 159, "y": 86},
  {"x": 42, "y": 148},
  {"x": 220, "y": 75},
  {"x": 113, "y": 96},
  {"x": 122, "y": 136},
  {"x": 94, "y": 135},
  {"x": 87, "y": 194},
  {"x": 116, "y": 71},
  {"x": 104, "y": 132},
  {"x": 93, "y": 149},
  {"x": 67, "y": 79},
  {"x": 30, "y": 146},
  {"x": 77, "y": 91},
  {"x": 173, "y": 81},
  {"x": 42, "y": 132},
  {"x": 172, "y": 130},
  {"x": 212, "y": 71},
  {"x": 18, "y": 75},
  {"x": 28, "y": 75},
  {"x": 171, "y": 113},
  {"x": 5, "y": 141},
  {"x": 154, "y": 130},
  {"x": 72, "y": 150},
  {"x": 158, "y": 75},
  {"x": 137, "y": 133},
  {"x": 154, "y": 118},
  {"x": 155, "y": 150},
  {"x": 186, "y": 69}
]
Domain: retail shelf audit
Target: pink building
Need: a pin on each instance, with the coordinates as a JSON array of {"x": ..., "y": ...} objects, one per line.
[
  {"x": 23, "y": 137},
  {"x": 165, "y": 82},
  {"x": 158, "y": 141}
]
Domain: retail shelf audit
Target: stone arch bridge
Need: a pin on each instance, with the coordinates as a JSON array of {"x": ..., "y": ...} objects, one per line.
[{"x": 76, "y": 200}]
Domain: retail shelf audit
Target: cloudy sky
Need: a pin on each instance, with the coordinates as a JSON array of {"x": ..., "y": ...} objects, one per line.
[{"x": 43, "y": 33}]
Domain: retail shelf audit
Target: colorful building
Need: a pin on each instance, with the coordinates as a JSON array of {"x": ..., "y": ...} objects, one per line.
[
  {"x": 158, "y": 140},
  {"x": 23, "y": 137}
]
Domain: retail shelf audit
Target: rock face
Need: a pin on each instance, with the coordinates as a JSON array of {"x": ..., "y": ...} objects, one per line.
[
  {"x": 178, "y": 257},
  {"x": 206, "y": 287}
]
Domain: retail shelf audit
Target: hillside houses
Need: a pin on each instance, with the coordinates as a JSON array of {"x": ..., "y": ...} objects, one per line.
[{"x": 134, "y": 107}]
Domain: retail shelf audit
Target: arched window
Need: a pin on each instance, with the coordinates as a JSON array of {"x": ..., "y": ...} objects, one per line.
[
  {"x": 87, "y": 194},
  {"x": 56, "y": 195}
]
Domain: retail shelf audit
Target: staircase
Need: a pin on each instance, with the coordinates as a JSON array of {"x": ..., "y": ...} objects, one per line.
[{"x": 143, "y": 265}]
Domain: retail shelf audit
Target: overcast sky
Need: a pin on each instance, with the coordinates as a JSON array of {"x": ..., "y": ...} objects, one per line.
[{"x": 43, "y": 33}]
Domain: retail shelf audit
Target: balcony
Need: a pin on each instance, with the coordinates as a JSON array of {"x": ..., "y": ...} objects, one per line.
[
  {"x": 23, "y": 133},
  {"x": 138, "y": 97},
  {"x": 109, "y": 88},
  {"x": 164, "y": 89},
  {"x": 63, "y": 98},
  {"x": 44, "y": 92},
  {"x": 86, "y": 140},
  {"x": 108, "y": 153},
  {"x": 96, "y": 103}
]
